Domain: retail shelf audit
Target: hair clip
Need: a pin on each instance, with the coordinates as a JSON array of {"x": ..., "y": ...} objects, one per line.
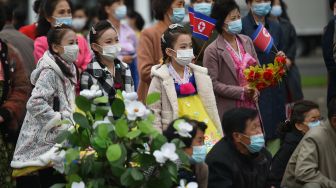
[
  {"x": 58, "y": 25},
  {"x": 162, "y": 38},
  {"x": 174, "y": 26},
  {"x": 93, "y": 30}
]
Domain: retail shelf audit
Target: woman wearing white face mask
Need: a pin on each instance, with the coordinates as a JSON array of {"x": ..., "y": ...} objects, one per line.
[
  {"x": 54, "y": 13},
  {"x": 80, "y": 21},
  {"x": 114, "y": 11},
  {"x": 293, "y": 79},
  {"x": 51, "y": 101},
  {"x": 185, "y": 88},
  {"x": 105, "y": 70},
  {"x": 227, "y": 57}
]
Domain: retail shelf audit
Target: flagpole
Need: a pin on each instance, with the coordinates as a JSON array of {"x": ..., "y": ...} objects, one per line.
[
  {"x": 261, "y": 121},
  {"x": 204, "y": 44}
]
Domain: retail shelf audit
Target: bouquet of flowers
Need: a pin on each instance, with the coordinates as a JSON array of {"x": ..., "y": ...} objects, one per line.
[
  {"x": 261, "y": 77},
  {"x": 117, "y": 145}
]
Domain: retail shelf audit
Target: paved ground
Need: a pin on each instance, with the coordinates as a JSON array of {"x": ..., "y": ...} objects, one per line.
[{"x": 313, "y": 65}]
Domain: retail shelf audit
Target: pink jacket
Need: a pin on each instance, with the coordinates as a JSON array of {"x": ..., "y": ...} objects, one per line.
[{"x": 84, "y": 56}]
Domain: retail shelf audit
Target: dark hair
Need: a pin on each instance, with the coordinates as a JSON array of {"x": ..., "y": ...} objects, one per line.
[
  {"x": 160, "y": 8},
  {"x": 2, "y": 16},
  {"x": 36, "y": 6},
  {"x": 104, "y": 3},
  {"x": 139, "y": 21},
  {"x": 47, "y": 8},
  {"x": 171, "y": 134},
  {"x": 97, "y": 31},
  {"x": 170, "y": 36},
  {"x": 8, "y": 9},
  {"x": 55, "y": 36},
  {"x": 235, "y": 120},
  {"x": 283, "y": 5},
  {"x": 331, "y": 4},
  {"x": 220, "y": 10},
  {"x": 332, "y": 108},
  {"x": 297, "y": 115}
]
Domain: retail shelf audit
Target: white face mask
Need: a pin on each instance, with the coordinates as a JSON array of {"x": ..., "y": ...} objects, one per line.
[
  {"x": 70, "y": 53},
  {"x": 78, "y": 23},
  {"x": 184, "y": 57},
  {"x": 111, "y": 52}
]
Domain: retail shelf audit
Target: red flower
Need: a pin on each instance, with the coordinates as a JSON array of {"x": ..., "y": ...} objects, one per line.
[
  {"x": 117, "y": 86},
  {"x": 268, "y": 75},
  {"x": 281, "y": 71},
  {"x": 251, "y": 76},
  {"x": 261, "y": 85},
  {"x": 281, "y": 59}
]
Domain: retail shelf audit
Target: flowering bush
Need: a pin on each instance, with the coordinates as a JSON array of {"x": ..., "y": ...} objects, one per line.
[
  {"x": 261, "y": 77},
  {"x": 118, "y": 146}
]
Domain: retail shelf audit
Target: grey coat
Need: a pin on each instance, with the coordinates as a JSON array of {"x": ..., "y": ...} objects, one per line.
[{"x": 40, "y": 127}]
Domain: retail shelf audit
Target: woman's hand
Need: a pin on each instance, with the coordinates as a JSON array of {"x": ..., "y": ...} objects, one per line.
[
  {"x": 281, "y": 53},
  {"x": 251, "y": 93},
  {"x": 127, "y": 59}
]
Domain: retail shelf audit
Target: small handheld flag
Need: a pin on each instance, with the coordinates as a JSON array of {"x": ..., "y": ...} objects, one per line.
[
  {"x": 203, "y": 26},
  {"x": 262, "y": 39},
  {"x": 191, "y": 17}
]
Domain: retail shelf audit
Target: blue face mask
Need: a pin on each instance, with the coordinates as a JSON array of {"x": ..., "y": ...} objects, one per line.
[
  {"x": 276, "y": 10},
  {"x": 314, "y": 124},
  {"x": 235, "y": 27},
  {"x": 261, "y": 9},
  {"x": 204, "y": 8},
  {"x": 199, "y": 154},
  {"x": 257, "y": 142},
  {"x": 178, "y": 15},
  {"x": 120, "y": 12},
  {"x": 63, "y": 20}
]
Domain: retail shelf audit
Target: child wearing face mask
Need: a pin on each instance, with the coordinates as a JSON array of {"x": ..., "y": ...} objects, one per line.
[
  {"x": 185, "y": 88},
  {"x": 54, "y": 13},
  {"x": 52, "y": 100},
  {"x": 105, "y": 69},
  {"x": 195, "y": 149}
]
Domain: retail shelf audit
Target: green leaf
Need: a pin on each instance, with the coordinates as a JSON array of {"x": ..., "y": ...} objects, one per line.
[
  {"x": 81, "y": 120},
  {"x": 146, "y": 127},
  {"x": 136, "y": 174},
  {"x": 59, "y": 185},
  {"x": 74, "y": 178},
  {"x": 118, "y": 107},
  {"x": 100, "y": 142},
  {"x": 126, "y": 178},
  {"x": 182, "y": 156},
  {"x": 71, "y": 155},
  {"x": 153, "y": 98},
  {"x": 172, "y": 169},
  {"x": 62, "y": 136},
  {"x": 101, "y": 100},
  {"x": 121, "y": 128},
  {"x": 133, "y": 134},
  {"x": 178, "y": 143},
  {"x": 158, "y": 142},
  {"x": 103, "y": 131},
  {"x": 113, "y": 152},
  {"x": 83, "y": 103},
  {"x": 101, "y": 112}
]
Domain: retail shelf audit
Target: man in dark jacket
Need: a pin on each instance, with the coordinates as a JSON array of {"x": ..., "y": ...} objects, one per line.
[
  {"x": 329, "y": 52},
  {"x": 239, "y": 159}
]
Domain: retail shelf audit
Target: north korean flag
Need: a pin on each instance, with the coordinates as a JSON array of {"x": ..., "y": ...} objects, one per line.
[
  {"x": 262, "y": 39},
  {"x": 203, "y": 26},
  {"x": 191, "y": 17}
]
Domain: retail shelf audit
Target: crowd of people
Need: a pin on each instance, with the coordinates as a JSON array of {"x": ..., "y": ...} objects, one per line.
[{"x": 241, "y": 137}]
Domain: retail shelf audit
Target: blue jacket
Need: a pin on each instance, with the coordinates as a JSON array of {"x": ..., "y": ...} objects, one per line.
[{"x": 271, "y": 100}]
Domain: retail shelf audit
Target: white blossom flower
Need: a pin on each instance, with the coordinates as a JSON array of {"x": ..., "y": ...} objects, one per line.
[
  {"x": 136, "y": 109},
  {"x": 91, "y": 93},
  {"x": 129, "y": 97},
  {"x": 189, "y": 185},
  {"x": 183, "y": 128},
  {"x": 78, "y": 185},
  {"x": 167, "y": 152}
]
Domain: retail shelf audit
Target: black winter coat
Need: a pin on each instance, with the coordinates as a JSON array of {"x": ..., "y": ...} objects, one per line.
[{"x": 230, "y": 169}]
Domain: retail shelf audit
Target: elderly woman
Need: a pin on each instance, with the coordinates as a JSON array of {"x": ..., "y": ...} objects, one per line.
[{"x": 227, "y": 57}]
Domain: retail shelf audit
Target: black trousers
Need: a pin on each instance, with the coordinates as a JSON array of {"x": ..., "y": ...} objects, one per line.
[{"x": 43, "y": 179}]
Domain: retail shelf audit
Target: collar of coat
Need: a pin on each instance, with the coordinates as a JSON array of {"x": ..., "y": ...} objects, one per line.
[
  {"x": 98, "y": 70},
  {"x": 162, "y": 72}
]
